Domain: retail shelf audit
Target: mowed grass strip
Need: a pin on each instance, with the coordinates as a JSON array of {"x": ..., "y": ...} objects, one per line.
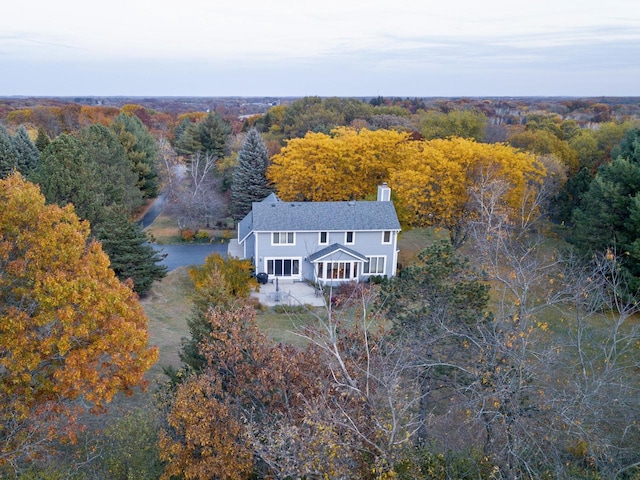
[
  {"x": 164, "y": 230},
  {"x": 168, "y": 305}
]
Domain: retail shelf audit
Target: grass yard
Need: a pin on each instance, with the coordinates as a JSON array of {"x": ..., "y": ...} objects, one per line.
[
  {"x": 281, "y": 327},
  {"x": 164, "y": 230},
  {"x": 412, "y": 242},
  {"x": 168, "y": 305}
]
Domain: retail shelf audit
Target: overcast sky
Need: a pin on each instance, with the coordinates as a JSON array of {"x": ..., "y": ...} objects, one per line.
[{"x": 327, "y": 48}]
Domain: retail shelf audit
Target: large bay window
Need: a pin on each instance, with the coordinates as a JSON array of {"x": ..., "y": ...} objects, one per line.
[{"x": 337, "y": 271}]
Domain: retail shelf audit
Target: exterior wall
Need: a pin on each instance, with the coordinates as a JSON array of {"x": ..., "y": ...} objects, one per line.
[
  {"x": 368, "y": 243},
  {"x": 249, "y": 247}
]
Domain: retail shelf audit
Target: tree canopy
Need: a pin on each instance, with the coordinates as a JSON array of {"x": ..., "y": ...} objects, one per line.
[
  {"x": 436, "y": 183},
  {"x": 141, "y": 151},
  {"x": 72, "y": 334},
  {"x": 347, "y": 165},
  {"x": 457, "y": 123}
]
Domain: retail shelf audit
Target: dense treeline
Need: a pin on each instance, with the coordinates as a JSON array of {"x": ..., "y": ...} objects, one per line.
[
  {"x": 518, "y": 363},
  {"x": 106, "y": 173}
]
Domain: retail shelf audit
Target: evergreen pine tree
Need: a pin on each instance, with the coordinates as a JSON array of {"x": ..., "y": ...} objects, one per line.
[
  {"x": 42, "y": 140},
  {"x": 8, "y": 160},
  {"x": 141, "y": 150},
  {"x": 63, "y": 177},
  {"x": 250, "y": 183},
  {"x": 629, "y": 147},
  {"x": 608, "y": 216},
  {"x": 188, "y": 141},
  {"x": 109, "y": 172},
  {"x": 131, "y": 255},
  {"x": 27, "y": 155},
  {"x": 214, "y": 133}
]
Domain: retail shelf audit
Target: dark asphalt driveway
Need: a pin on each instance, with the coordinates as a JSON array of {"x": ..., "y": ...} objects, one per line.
[
  {"x": 154, "y": 211},
  {"x": 183, "y": 255}
]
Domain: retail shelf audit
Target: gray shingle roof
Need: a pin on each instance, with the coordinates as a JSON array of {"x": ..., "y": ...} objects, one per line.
[
  {"x": 335, "y": 248},
  {"x": 320, "y": 216}
]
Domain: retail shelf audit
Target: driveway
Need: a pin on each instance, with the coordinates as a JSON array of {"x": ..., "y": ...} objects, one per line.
[
  {"x": 184, "y": 255},
  {"x": 154, "y": 211}
]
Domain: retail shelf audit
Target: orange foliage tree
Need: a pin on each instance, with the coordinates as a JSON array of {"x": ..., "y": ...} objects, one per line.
[
  {"x": 336, "y": 409},
  {"x": 71, "y": 334},
  {"x": 247, "y": 380}
]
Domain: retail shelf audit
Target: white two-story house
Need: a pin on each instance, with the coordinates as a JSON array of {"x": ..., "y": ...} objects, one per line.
[{"x": 325, "y": 242}]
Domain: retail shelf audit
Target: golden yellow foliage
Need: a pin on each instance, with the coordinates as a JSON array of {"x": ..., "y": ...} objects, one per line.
[
  {"x": 436, "y": 183},
  {"x": 70, "y": 328},
  {"x": 348, "y": 164}
]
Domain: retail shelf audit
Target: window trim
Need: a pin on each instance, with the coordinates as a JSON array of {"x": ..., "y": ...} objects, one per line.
[
  {"x": 326, "y": 238},
  {"x": 390, "y": 233},
  {"x": 366, "y": 270},
  {"x": 279, "y": 243},
  {"x": 347, "y": 271},
  {"x": 284, "y": 259},
  {"x": 353, "y": 237}
]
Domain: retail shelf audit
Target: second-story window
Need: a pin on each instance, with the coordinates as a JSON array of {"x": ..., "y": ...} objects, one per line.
[
  {"x": 386, "y": 236},
  {"x": 324, "y": 238},
  {"x": 283, "y": 238},
  {"x": 349, "y": 238}
]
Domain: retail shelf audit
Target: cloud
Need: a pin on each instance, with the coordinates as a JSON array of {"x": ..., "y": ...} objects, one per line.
[
  {"x": 598, "y": 46},
  {"x": 298, "y": 51},
  {"x": 20, "y": 44}
]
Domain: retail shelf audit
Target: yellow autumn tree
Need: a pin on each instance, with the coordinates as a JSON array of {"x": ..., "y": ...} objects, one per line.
[
  {"x": 449, "y": 182},
  {"x": 71, "y": 334},
  {"x": 346, "y": 165},
  {"x": 444, "y": 183}
]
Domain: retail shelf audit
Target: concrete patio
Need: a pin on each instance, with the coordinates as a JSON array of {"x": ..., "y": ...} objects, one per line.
[{"x": 288, "y": 293}]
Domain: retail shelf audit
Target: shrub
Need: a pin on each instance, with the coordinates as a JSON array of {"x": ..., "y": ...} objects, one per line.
[
  {"x": 291, "y": 308},
  {"x": 202, "y": 235},
  {"x": 130, "y": 446},
  {"x": 187, "y": 234}
]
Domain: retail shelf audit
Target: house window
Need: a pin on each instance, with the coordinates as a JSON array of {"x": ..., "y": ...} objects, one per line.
[
  {"x": 375, "y": 266},
  {"x": 337, "y": 270},
  {"x": 283, "y": 267},
  {"x": 283, "y": 238},
  {"x": 349, "y": 238},
  {"x": 324, "y": 238},
  {"x": 386, "y": 236}
]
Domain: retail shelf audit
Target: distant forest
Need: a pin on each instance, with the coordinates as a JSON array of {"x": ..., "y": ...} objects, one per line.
[{"x": 502, "y": 109}]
